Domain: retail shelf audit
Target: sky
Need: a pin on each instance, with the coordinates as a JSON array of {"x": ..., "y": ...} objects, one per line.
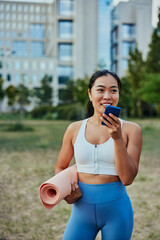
[{"x": 156, "y": 4}]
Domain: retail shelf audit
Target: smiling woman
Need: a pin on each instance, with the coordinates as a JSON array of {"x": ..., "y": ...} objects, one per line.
[{"x": 107, "y": 159}]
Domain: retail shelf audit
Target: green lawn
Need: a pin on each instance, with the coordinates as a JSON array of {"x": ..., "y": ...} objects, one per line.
[{"x": 28, "y": 159}]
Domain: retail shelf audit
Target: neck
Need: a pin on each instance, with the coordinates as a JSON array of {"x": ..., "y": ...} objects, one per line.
[{"x": 96, "y": 119}]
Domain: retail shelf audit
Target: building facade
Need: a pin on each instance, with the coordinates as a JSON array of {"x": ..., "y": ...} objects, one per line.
[
  {"x": 131, "y": 25},
  {"x": 68, "y": 39},
  {"x": 65, "y": 39}
]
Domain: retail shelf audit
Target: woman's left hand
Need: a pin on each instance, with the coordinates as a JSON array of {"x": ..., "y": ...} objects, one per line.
[{"x": 113, "y": 126}]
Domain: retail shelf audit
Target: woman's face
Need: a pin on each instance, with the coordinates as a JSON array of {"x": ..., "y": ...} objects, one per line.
[{"x": 104, "y": 92}]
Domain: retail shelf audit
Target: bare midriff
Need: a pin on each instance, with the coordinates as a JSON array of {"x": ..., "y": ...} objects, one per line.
[{"x": 97, "y": 178}]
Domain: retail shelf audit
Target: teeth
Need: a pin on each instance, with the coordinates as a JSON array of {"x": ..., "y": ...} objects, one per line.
[{"x": 106, "y": 104}]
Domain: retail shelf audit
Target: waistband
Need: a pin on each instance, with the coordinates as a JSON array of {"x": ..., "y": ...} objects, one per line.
[{"x": 99, "y": 193}]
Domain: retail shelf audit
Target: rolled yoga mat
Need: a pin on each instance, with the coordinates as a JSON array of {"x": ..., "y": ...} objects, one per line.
[{"x": 58, "y": 187}]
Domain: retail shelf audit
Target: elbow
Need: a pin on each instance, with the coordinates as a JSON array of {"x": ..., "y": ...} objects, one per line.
[{"x": 127, "y": 182}]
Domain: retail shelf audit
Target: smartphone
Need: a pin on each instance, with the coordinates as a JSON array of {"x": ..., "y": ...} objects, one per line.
[{"x": 111, "y": 109}]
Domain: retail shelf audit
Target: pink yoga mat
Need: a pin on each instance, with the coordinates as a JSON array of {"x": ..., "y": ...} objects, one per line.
[{"x": 58, "y": 187}]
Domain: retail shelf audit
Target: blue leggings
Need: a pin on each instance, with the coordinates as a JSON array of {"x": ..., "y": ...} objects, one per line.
[{"x": 104, "y": 207}]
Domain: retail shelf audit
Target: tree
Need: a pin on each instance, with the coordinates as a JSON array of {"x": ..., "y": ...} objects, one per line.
[
  {"x": 66, "y": 94},
  {"x": 2, "y": 92},
  {"x": 11, "y": 93},
  {"x": 153, "y": 58},
  {"x": 125, "y": 100},
  {"x": 23, "y": 95},
  {"x": 45, "y": 92},
  {"x": 150, "y": 90},
  {"x": 136, "y": 73},
  {"x": 81, "y": 91}
]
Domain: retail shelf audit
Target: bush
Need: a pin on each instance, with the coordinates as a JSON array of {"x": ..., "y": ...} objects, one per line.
[
  {"x": 18, "y": 127},
  {"x": 41, "y": 111},
  {"x": 69, "y": 112}
]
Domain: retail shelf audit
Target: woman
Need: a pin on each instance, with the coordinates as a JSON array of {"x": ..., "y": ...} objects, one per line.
[{"x": 107, "y": 159}]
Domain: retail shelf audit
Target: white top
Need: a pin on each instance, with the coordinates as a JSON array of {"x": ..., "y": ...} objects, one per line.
[{"x": 94, "y": 159}]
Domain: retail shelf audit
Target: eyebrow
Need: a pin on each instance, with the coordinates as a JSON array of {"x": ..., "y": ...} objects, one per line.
[{"x": 104, "y": 86}]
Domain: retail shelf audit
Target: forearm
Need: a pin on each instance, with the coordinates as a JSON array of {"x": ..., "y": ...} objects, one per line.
[
  {"x": 58, "y": 169},
  {"x": 125, "y": 167}
]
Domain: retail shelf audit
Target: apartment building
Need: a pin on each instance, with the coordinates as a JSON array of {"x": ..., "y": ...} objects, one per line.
[{"x": 131, "y": 25}]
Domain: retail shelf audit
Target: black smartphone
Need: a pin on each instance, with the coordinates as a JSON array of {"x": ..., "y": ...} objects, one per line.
[{"x": 111, "y": 109}]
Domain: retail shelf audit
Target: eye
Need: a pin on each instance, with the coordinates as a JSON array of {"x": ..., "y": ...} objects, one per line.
[
  {"x": 100, "y": 90},
  {"x": 114, "y": 91}
]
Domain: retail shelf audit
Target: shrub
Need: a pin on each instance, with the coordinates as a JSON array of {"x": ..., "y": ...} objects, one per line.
[{"x": 42, "y": 111}]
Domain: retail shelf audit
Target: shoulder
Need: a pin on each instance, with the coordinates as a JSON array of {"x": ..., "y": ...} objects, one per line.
[
  {"x": 73, "y": 129},
  {"x": 74, "y": 126},
  {"x": 132, "y": 128}
]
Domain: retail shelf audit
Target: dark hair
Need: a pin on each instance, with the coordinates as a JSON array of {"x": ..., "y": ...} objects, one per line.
[{"x": 97, "y": 74}]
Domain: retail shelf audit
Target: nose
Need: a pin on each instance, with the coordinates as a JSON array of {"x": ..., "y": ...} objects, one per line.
[{"x": 107, "y": 95}]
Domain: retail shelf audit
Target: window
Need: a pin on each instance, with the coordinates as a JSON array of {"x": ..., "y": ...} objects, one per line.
[
  {"x": 8, "y": 77},
  {"x": 126, "y": 47},
  {"x": 37, "y": 31},
  {"x": 14, "y": 34},
  {"x": 128, "y": 30},
  {"x": 65, "y": 52},
  {"x": 115, "y": 35},
  {"x": 124, "y": 65},
  {"x": 1, "y": 16},
  {"x": 7, "y": 7},
  {"x": 17, "y": 78},
  {"x": 1, "y": 64},
  {"x": 34, "y": 65},
  {"x": 13, "y": 8},
  {"x": 14, "y": 25},
  {"x": 1, "y": 43},
  {"x": 51, "y": 66},
  {"x": 114, "y": 51},
  {"x": 8, "y": 43},
  {"x": 26, "y": 65},
  {"x": 37, "y": 49},
  {"x": 34, "y": 78},
  {"x": 37, "y": 9},
  {"x": 64, "y": 73},
  {"x": 25, "y": 8},
  {"x": 1, "y": 34},
  {"x": 8, "y": 34},
  {"x": 8, "y": 16},
  {"x": 65, "y": 29},
  {"x": 32, "y": 8},
  {"x": 25, "y": 16},
  {"x": 1, "y": 52},
  {"x": 65, "y": 7},
  {"x": 8, "y": 65},
  {"x": 37, "y": 18},
  {"x": 19, "y": 8},
  {"x": 2, "y": 6},
  {"x": 19, "y": 17},
  {"x": 115, "y": 66},
  {"x": 42, "y": 65},
  {"x": 13, "y": 16},
  {"x": 17, "y": 65},
  {"x": 25, "y": 34},
  {"x": 19, "y": 48}
]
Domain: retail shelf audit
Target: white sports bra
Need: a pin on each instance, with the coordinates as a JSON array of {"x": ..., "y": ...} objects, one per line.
[{"x": 94, "y": 159}]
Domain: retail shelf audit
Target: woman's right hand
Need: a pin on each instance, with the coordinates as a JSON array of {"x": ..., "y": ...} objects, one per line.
[{"x": 75, "y": 193}]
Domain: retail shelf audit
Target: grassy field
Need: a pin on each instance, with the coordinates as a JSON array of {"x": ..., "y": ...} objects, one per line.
[{"x": 28, "y": 158}]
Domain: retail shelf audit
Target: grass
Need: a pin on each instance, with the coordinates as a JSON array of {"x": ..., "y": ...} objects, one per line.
[{"x": 28, "y": 159}]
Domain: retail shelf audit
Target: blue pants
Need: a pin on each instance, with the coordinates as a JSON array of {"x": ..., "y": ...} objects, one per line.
[{"x": 104, "y": 207}]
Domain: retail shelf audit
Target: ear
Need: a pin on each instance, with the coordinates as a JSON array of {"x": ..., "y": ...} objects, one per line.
[{"x": 89, "y": 94}]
